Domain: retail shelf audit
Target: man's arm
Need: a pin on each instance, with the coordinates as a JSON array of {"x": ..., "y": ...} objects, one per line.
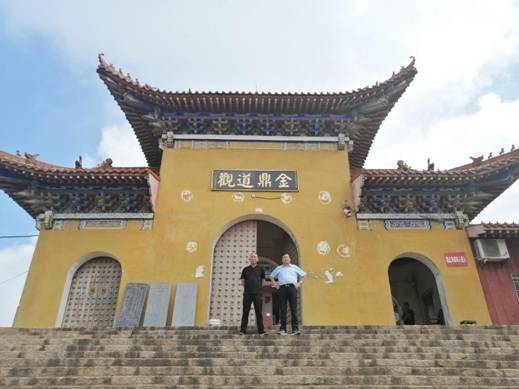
[
  {"x": 263, "y": 278},
  {"x": 302, "y": 274},
  {"x": 242, "y": 277},
  {"x": 273, "y": 276}
]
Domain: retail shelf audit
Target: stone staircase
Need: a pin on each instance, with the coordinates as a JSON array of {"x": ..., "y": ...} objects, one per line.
[{"x": 329, "y": 357}]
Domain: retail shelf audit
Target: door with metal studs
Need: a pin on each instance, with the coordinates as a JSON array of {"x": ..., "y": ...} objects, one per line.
[
  {"x": 93, "y": 294},
  {"x": 230, "y": 257}
]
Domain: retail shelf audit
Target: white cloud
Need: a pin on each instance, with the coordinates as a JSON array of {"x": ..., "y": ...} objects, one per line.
[
  {"x": 119, "y": 143},
  {"x": 450, "y": 141},
  {"x": 14, "y": 260},
  {"x": 504, "y": 209}
]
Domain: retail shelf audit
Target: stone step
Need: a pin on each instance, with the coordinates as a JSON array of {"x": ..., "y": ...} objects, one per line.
[
  {"x": 251, "y": 371},
  {"x": 158, "y": 386},
  {"x": 268, "y": 349},
  {"x": 357, "y": 331},
  {"x": 241, "y": 381},
  {"x": 258, "y": 362},
  {"x": 409, "y": 356},
  {"x": 452, "y": 354},
  {"x": 180, "y": 335},
  {"x": 269, "y": 341}
]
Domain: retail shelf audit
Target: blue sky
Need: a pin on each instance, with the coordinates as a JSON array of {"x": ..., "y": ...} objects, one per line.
[{"x": 464, "y": 101}]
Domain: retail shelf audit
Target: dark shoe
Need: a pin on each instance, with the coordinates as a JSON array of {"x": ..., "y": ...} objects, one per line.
[
  {"x": 242, "y": 332},
  {"x": 296, "y": 332}
]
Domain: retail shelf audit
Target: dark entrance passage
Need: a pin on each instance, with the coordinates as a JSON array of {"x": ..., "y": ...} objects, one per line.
[
  {"x": 231, "y": 254},
  {"x": 414, "y": 287},
  {"x": 273, "y": 243}
]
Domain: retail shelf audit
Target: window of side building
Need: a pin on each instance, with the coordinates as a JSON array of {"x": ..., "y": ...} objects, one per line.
[{"x": 515, "y": 280}]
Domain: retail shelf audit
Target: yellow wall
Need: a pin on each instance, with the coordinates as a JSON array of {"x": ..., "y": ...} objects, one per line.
[{"x": 360, "y": 296}]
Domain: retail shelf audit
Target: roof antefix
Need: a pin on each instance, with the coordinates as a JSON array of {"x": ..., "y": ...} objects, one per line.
[{"x": 357, "y": 114}]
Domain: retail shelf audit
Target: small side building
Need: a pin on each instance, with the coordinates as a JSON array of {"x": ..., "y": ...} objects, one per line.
[{"x": 496, "y": 250}]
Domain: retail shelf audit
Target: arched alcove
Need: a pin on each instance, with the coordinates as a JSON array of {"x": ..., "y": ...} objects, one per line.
[
  {"x": 90, "y": 292},
  {"x": 264, "y": 235},
  {"x": 414, "y": 279}
]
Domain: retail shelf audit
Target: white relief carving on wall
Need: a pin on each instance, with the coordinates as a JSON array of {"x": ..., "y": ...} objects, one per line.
[
  {"x": 286, "y": 198},
  {"x": 344, "y": 250},
  {"x": 238, "y": 197},
  {"x": 191, "y": 246},
  {"x": 324, "y": 197},
  {"x": 186, "y": 195},
  {"x": 323, "y": 247}
]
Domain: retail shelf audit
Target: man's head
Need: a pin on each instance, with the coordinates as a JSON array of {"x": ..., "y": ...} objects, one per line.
[
  {"x": 253, "y": 259},
  {"x": 285, "y": 259}
]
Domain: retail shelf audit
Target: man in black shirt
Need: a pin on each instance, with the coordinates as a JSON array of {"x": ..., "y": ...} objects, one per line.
[{"x": 252, "y": 279}]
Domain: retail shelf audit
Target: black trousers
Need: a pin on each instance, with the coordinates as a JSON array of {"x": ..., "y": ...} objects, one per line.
[
  {"x": 254, "y": 298},
  {"x": 288, "y": 293}
]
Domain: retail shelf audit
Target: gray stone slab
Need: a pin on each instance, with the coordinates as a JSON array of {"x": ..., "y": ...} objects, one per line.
[
  {"x": 185, "y": 305},
  {"x": 133, "y": 303},
  {"x": 158, "y": 303}
]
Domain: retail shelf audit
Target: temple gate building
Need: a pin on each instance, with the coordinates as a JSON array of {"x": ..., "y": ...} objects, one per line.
[{"x": 233, "y": 173}]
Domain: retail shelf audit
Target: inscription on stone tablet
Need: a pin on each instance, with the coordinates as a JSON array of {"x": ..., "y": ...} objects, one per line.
[{"x": 133, "y": 303}]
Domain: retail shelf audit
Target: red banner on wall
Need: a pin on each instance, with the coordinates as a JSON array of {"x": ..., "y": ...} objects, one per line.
[{"x": 455, "y": 259}]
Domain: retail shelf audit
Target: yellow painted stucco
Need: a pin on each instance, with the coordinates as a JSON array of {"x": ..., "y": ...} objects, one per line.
[{"x": 361, "y": 296}]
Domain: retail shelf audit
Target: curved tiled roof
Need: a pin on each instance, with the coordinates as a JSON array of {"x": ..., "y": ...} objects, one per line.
[
  {"x": 38, "y": 186},
  {"x": 485, "y": 180},
  {"x": 256, "y": 102},
  {"x": 455, "y": 176},
  {"x": 373, "y": 102},
  {"x": 494, "y": 230},
  {"x": 30, "y": 168}
]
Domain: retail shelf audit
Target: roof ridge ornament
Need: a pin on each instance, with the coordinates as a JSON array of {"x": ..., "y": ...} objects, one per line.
[
  {"x": 402, "y": 165},
  {"x": 430, "y": 165},
  {"x": 477, "y": 160},
  {"x": 31, "y": 157},
  {"x": 107, "y": 163}
]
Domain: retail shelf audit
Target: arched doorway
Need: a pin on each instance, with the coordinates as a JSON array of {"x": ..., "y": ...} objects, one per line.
[
  {"x": 231, "y": 255},
  {"x": 92, "y": 297},
  {"x": 416, "y": 285}
]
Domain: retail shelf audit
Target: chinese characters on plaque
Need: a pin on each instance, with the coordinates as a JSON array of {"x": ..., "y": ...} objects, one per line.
[
  {"x": 255, "y": 180},
  {"x": 455, "y": 259}
]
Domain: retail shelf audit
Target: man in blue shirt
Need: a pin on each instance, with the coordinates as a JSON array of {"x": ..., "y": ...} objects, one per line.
[{"x": 289, "y": 280}]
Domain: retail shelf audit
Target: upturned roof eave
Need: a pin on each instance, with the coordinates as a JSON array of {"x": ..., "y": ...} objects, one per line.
[
  {"x": 121, "y": 85},
  {"x": 34, "y": 170}
]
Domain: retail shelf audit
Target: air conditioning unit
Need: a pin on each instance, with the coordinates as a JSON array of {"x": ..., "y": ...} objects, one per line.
[{"x": 491, "y": 250}]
